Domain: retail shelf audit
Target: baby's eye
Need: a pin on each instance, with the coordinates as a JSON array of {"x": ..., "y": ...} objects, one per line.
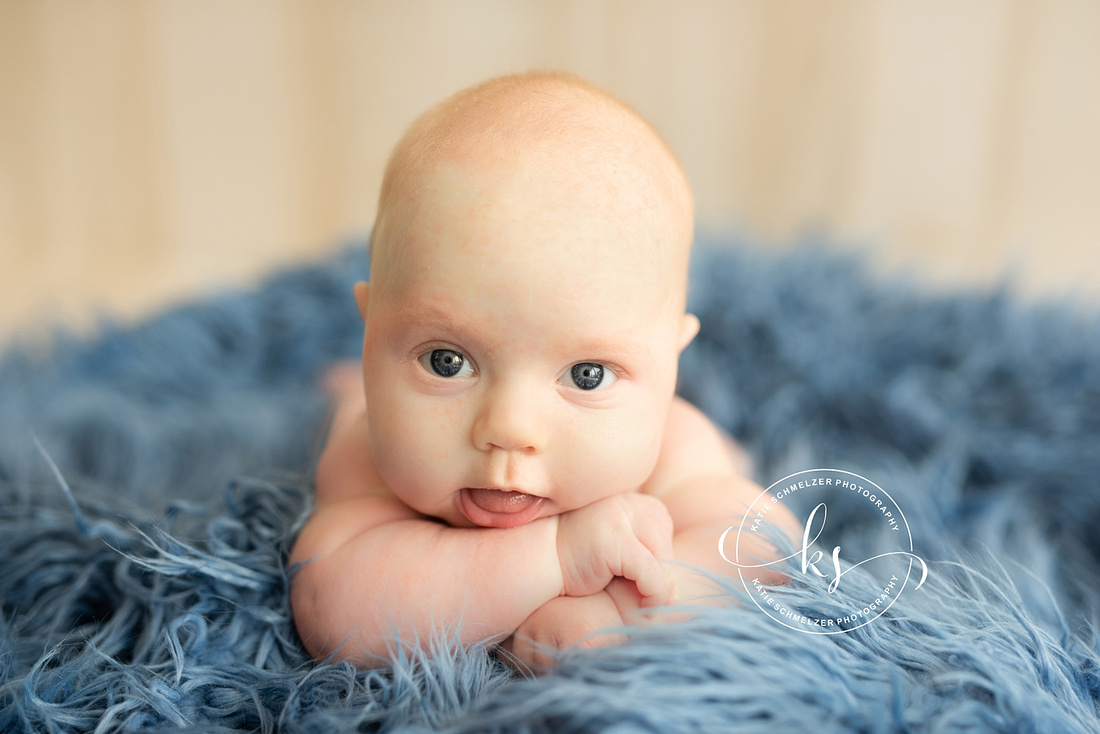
[
  {"x": 590, "y": 376},
  {"x": 446, "y": 363}
]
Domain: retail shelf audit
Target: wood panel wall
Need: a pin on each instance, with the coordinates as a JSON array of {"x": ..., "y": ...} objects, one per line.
[{"x": 151, "y": 150}]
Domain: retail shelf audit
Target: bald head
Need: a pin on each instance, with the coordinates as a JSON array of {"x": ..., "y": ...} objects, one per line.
[{"x": 553, "y": 128}]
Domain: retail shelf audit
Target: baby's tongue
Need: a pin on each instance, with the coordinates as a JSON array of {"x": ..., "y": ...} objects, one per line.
[{"x": 495, "y": 500}]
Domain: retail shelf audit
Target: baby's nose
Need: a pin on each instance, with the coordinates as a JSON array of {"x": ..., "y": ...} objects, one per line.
[{"x": 509, "y": 420}]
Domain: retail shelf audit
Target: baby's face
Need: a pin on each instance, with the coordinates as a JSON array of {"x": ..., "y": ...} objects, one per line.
[{"x": 519, "y": 357}]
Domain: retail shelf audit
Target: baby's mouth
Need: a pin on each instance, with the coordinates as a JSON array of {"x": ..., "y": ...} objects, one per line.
[{"x": 499, "y": 508}]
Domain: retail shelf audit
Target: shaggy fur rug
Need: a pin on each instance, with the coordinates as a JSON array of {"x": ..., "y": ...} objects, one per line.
[{"x": 152, "y": 478}]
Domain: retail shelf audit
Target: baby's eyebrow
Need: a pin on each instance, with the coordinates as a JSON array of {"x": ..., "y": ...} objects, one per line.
[
  {"x": 614, "y": 348},
  {"x": 609, "y": 346},
  {"x": 424, "y": 311},
  {"x": 612, "y": 344},
  {"x": 438, "y": 317}
]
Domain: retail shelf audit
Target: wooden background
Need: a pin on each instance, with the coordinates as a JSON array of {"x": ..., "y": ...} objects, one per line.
[{"x": 153, "y": 150}]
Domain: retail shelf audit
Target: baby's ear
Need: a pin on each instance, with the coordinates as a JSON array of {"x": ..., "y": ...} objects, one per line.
[
  {"x": 689, "y": 327},
  {"x": 362, "y": 293}
]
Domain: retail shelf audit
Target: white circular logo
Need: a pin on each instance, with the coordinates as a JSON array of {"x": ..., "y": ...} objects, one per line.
[{"x": 863, "y": 503}]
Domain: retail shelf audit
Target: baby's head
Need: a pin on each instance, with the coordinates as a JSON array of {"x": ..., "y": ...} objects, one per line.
[
  {"x": 526, "y": 306},
  {"x": 586, "y": 150}
]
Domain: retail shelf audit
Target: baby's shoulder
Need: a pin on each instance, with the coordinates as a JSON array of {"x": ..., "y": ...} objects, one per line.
[
  {"x": 693, "y": 446},
  {"x": 346, "y": 469},
  {"x": 688, "y": 431}
]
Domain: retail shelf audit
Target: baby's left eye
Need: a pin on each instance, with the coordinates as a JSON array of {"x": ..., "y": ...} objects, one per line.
[
  {"x": 446, "y": 363},
  {"x": 589, "y": 376}
]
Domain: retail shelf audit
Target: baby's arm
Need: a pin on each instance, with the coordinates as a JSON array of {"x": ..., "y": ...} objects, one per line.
[
  {"x": 700, "y": 477},
  {"x": 567, "y": 621},
  {"x": 373, "y": 569},
  {"x": 705, "y": 490}
]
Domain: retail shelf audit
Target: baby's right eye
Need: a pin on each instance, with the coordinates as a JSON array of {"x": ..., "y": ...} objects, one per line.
[{"x": 447, "y": 363}]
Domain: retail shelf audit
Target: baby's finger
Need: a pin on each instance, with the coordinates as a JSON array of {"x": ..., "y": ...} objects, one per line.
[
  {"x": 654, "y": 529},
  {"x": 660, "y": 544},
  {"x": 525, "y": 655},
  {"x": 646, "y": 572}
]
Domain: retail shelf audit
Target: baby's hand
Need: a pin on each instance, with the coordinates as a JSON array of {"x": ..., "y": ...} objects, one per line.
[
  {"x": 623, "y": 535},
  {"x": 565, "y": 621}
]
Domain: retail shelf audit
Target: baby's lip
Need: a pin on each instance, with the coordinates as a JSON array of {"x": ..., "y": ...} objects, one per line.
[{"x": 499, "y": 508}]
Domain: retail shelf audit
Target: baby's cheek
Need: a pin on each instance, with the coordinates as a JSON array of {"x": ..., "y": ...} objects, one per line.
[
  {"x": 395, "y": 441},
  {"x": 626, "y": 452},
  {"x": 448, "y": 418}
]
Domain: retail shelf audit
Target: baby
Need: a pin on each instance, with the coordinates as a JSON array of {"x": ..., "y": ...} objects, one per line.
[{"x": 518, "y": 467}]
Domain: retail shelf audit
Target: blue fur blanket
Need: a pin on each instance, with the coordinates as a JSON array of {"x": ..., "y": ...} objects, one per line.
[{"x": 152, "y": 478}]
